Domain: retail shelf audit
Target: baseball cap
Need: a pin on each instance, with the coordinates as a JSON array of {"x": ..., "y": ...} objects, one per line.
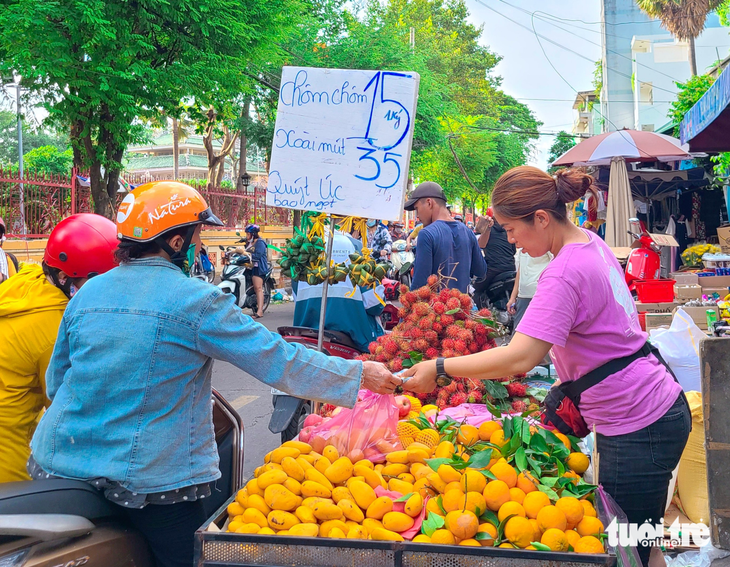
[{"x": 426, "y": 189}]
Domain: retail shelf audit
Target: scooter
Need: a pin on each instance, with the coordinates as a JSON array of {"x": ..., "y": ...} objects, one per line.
[
  {"x": 203, "y": 268},
  {"x": 402, "y": 260},
  {"x": 68, "y": 523},
  {"x": 290, "y": 412},
  {"x": 643, "y": 263},
  {"x": 237, "y": 279}
]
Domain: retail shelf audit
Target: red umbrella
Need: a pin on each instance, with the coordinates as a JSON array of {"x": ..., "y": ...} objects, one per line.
[{"x": 632, "y": 145}]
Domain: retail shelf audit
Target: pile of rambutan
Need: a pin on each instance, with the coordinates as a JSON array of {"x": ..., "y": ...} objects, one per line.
[{"x": 437, "y": 321}]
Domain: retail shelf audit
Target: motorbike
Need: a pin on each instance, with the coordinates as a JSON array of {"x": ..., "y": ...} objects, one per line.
[
  {"x": 495, "y": 297},
  {"x": 290, "y": 412},
  {"x": 236, "y": 279},
  {"x": 402, "y": 260},
  {"x": 644, "y": 262},
  {"x": 68, "y": 523},
  {"x": 203, "y": 268}
]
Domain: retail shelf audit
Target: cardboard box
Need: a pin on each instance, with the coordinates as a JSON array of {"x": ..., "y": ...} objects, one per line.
[
  {"x": 699, "y": 315},
  {"x": 721, "y": 291},
  {"x": 656, "y": 320},
  {"x": 685, "y": 292},
  {"x": 621, "y": 252},
  {"x": 664, "y": 239},
  {"x": 715, "y": 282},
  {"x": 723, "y": 235},
  {"x": 656, "y": 307},
  {"x": 685, "y": 278}
]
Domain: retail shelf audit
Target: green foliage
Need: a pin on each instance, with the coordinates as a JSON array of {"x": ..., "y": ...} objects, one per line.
[
  {"x": 689, "y": 93},
  {"x": 598, "y": 79},
  {"x": 563, "y": 142},
  {"x": 49, "y": 160},
  {"x": 32, "y": 138},
  {"x": 724, "y": 13},
  {"x": 100, "y": 64}
]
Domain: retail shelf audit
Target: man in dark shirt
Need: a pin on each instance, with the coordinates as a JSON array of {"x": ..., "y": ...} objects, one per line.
[
  {"x": 445, "y": 246},
  {"x": 498, "y": 252}
]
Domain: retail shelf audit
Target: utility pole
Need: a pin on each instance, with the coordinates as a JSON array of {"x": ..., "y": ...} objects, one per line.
[
  {"x": 413, "y": 38},
  {"x": 20, "y": 158}
]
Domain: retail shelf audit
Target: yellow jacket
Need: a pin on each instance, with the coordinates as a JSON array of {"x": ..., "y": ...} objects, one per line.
[{"x": 30, "y": 313}]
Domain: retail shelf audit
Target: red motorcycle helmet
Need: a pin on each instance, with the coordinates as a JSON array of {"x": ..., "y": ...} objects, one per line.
[
  {"x": 490, "y": 212},
  {"x": 82, "y": 245}
]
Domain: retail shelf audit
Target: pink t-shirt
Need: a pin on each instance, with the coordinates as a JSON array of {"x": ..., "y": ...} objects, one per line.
[{"x": 584, "y": 308}]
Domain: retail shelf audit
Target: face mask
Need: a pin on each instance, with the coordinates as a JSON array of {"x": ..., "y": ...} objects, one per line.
[
  {"x": 189, "y": 260},
  {"x": 371, "y": 223},
  {"x": 72, "y": 290}
]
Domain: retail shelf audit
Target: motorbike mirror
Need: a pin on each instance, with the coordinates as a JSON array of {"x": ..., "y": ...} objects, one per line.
[
  {"x": 238, "y": 233},
  {"x": 221, "y": 247}
]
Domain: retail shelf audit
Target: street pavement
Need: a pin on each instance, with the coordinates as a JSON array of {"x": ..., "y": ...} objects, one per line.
[{"x": 251, "y": 398}]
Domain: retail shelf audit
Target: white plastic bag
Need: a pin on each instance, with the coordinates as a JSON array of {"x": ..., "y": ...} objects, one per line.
[{"x": 680, "y": 347}]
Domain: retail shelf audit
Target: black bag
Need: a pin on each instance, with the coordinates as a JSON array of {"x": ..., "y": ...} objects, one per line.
[{"x": 562, "y": 404}]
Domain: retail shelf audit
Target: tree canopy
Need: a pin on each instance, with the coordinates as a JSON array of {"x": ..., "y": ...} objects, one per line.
[
  {"x": 32, "y": 138},
  {"x": 100, "y": 64},
  {"x": 563, "y": 142}
]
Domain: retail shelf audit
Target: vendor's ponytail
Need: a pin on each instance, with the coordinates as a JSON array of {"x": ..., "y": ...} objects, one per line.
[{"x": 522, "y": 191}]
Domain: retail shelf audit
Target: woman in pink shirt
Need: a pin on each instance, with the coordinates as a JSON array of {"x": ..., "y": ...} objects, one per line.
[{"x": 584, "y": 315}]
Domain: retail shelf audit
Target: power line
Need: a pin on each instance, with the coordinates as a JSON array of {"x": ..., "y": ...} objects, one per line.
[
  {"x": 534, "y": 14},
  {"x": 560, "y": 45}
]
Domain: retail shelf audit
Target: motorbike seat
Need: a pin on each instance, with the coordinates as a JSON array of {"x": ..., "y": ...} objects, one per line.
[
  {"x": 333, "y": 336},
  {"x": 504, "y": 276},
  {"x": 56, "y": 496}
]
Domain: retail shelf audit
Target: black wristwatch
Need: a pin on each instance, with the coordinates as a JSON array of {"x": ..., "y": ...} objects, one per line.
[{"x": 442, "y": 378}]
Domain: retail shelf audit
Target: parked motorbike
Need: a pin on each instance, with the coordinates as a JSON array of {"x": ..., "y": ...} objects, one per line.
[
  {"x": 68, "y": 523},
  {"x": 643, "y": 263},
  {"x": 495, "y": 297},
  {"x": 402, "y": 260},
  {"x": 290, "y": 412},
  {"x": 203, "y": 268},
  {"x": 236, "y": 279}
]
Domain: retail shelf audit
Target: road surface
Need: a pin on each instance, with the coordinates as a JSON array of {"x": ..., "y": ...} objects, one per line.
[{"x": 251, "y": 398}]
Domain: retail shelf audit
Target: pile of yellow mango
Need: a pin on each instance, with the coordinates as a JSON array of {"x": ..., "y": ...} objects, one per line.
[{"x": 427, "y": 493}]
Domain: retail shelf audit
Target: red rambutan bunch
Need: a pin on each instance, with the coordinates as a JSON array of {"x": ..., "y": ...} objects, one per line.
[
  {"x": 460, "y": 346},
  {"x": 452, "y": 331},
  {"x": 474, "y": 397},
  {"x": 421, "y": 309},
  {"x": 438, "y": 307},
  {"x": 426, "y": 323},
  {"x": 432, "y": 353},
  {"x": 484, "y": 313},
  {"x": 455, "y": 292},
  {"x": 519, "y": 406},
  {"x": 438, "y": 327},
  {"x": 481, "y": 329},
  {"x": 372, "y": 346},
  {"x": 465, "y": 301},
  {"x": 473, "y": 347},
  {"x": 444, "y": 295},
  {"x": 447, "y": 343},
  {"x": 424, "y": 292},
  {"x": 453, "y": 303},
  {"x": 403, "y": 288},
  {"x": 457, "y": 399},
  {"x": 421, "y": 345},
  {"x": 395, "y": 365},
  {"x": 391, "y": 347},
  {"x": 447, "y": 320},
  {"x": 431, "y": 336},
  {"x": 516, "y": 390},
  {"x": 448, "y": 353},
  {"x": 466, "y": 335},
  {"x": 432, "y": 280}
]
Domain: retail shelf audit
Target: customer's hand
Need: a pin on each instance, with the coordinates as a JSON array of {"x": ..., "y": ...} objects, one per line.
[
  {"x": 484, "y": 224},
  {"x": 422, "y": 377},
  {"x": 377, "y": 378},
  {"x": 512, "y": 306}
]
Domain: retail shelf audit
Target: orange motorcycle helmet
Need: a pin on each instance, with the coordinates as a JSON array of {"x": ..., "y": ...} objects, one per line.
[{"x": 151, "y": 210}]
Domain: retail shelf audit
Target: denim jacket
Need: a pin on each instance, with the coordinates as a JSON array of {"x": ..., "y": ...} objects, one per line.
[{"x": 130, "y": 377}]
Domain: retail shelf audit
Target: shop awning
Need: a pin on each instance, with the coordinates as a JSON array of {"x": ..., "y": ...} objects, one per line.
[
  {"x": 706, "y": 125},
  {"x": 653, "y": 183}
]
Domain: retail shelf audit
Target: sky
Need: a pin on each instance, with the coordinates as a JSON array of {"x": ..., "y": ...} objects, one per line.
[{"x": 526, "y": 72}]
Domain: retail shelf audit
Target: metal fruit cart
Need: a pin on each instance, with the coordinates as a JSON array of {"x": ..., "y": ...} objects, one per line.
[{"x": 220, "y": 549}]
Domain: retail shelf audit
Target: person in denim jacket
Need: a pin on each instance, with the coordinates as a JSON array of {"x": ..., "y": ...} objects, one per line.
[{"x": 130, "y": 375}]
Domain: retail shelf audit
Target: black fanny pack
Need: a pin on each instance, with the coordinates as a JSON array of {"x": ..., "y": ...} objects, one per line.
[{"x": 562, "y": 403}]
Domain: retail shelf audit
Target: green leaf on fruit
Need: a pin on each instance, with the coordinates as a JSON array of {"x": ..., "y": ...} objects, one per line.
[
  {"x": 502, "y": 524},
  {"x": 551, "y": 481},
  {"x": 415, "y": 355},
  {"x": 407, "y": 363},
  {"x": 431, "y": 524},
  {"x": 481, "y": 536},
  {"x": 491, "y": 517},
  {"x": 549, "y": 491},
  {"x": 480, "y": 460},
  {"x": 486, "y": 321},
  {"x": 436, "y": 463},
  {"x": 404, "y": 497},
  {"x": 521, "y": 459},
  {"x": 453, "y": 311},
  {"x": 495, "y": 389},
  {"x": 440, "y": 503},
  {"x": 540, "y": 546},
  {"x": 494, "y": 410},
  {"x": 538, "y": 393}
]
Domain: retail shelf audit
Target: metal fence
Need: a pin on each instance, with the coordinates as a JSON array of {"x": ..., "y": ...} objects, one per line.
[{"x": 47, "y": 199}]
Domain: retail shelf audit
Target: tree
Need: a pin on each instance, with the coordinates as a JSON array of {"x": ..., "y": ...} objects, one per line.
[
  {"x": 101, "y": 64},
  {"x": 563, "y": 142},
  {"x": 32, "y": 138},
  {"x": 684, "y": 19},
  {"x": 688, "y": 93},
  {"x": 49, "y": 160}
]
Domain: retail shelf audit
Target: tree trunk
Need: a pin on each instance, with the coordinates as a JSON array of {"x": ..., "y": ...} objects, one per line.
[
  {"x": 175, "y": 148},
  {"x": 240, "y": 189},
  {"x": 692, "y": 57},
  {"x": 214, "y": 159}
]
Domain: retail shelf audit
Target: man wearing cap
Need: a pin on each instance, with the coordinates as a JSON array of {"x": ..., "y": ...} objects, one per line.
[
  {"x": 8, "y": 263},
  {"x": 445, "y": 245}
]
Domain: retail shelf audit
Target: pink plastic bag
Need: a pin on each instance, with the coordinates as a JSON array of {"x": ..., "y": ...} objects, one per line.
[
  {"x": 608, "y": 510},
  {"x": 472, "y": 414},
  {"x": 366, "y": 431}
]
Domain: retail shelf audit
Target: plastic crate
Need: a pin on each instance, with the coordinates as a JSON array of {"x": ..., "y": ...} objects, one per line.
[
  {"x": 642, "y": 320},
  {"x": 655, "y": 291},
  {"x": 215, "y": 548}
]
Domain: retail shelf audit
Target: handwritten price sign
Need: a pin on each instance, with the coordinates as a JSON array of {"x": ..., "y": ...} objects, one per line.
[{"x": 342, "y": 142}]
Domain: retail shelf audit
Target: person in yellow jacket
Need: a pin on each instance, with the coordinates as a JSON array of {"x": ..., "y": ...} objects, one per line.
[{"x": 32, "y": 303}]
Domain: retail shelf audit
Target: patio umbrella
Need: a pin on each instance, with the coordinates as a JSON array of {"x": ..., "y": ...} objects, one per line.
[
  {"x": 620, "y": 205},
  {"x": 633, "y": 145}
]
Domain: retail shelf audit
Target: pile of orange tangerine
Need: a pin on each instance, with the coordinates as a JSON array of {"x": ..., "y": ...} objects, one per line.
[{"x": 299, "y": 492}]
